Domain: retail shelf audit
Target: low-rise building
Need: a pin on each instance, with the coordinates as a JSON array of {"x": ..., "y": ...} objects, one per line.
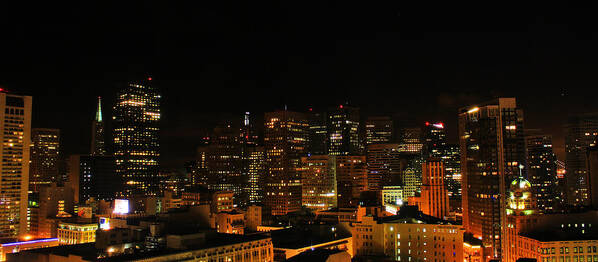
[
  {"x": 290, "y": 242},
  {"x": 70, "y": 233},
  {"x": 10, "y": 247}
]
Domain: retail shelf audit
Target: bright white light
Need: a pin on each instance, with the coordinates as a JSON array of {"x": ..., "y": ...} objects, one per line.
[{"x": 121, "y": 206}]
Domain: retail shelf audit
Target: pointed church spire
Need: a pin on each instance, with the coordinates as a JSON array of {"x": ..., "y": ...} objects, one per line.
[{"x": 99, "y": 112}]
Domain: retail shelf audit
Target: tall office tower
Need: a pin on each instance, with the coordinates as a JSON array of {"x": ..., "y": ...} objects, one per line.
[
  {"x": 136, "y": 138},
  {"x": 592, "y": 163},
  {"x": 452, "y": 170},
  {"x": 434, "y": 139},
  {"x": 411, "y": 175},
  {"x": 225, "y": 162},
  {"x": 492, "y": 148},
  {"x": 434, "y": 196},
  {"x": 97, "y": 132},
  {"x": 199, "y": 172},
  {"x": 45, "y": 152},
  {"x": 318, "y": 182},
  {"x": 541, "y": 162},
  {"x": 318, "y": 133},
  {"x": 411, "y": 140},
  {"x": 256, "y": 162},
  {"x": 351, "y": 178},
  {"x": 14, "y": 168},
  {"x": 580, "y": 132},
  {"x": 378, "y": 130},
  {"x": 93, "y": 176},
  {"x": 561, "y": 182},
  {"x": 286, "y": 136},
  {"x": 384, "y": 166},
  {"x": 343, "y": 131}
]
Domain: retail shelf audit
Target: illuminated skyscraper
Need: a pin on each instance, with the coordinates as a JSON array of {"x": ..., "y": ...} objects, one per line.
[
  {"x": 492, "y": 148},
  {"x": 256, "y": 162},
  {"x": 318, "y": 180},
  {"x": 14, "y": 167},
  {"x": 434, "y": 139},
  {"x": 580, "y": 132},
  {"x": 136, "y": 137},
  {"x": 45, "y": 151},
  {"x": 97, "y": 132},
  {"x": 541, "y": 162},
  {"x": 433, "y": 200},
  {"x": 225, "y": 162},
  {"x": 285, "y": 141},
  {"x": 378, "y": 130},
  {"x": 343, "y": 131}
]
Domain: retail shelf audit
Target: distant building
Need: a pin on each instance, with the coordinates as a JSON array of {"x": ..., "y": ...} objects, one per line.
[
  {"x": 256, "y": 170},
  {"x": 136, "y": 118},
  {"x": 592, "y": 163},
  {"x": 384, "y": 165},
  {"x": 98, "y": 147},
  {"x": 343, "y": 131},
  {"x": 580, "y": 132},
  {"x": 71, "y": 233},
  {"x": 291, "y": 242},
  {"x": 93, "y": 176},
  {"x": 411, "y": 140},
  {"x": 285, "y": 141},
  {"x": 495, "y": 126},
  {"x": 378, "y": 130},
  {"x": 225, "y": 162},
  {"x": 318, "y": 133},
  {"x": 434, "y": 139},
  {"x": 48, "y": 202},
  {"x": 318, "y": 182},
  {"x": 542, "y": 170},
  {"x": 351, "y": 178},
  {"x": 45, "y": 151},
  {"x": 433, "y": 199},
  {"x": 14, "y": 168}
]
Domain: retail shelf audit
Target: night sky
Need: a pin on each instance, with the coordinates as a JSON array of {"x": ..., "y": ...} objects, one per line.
[{"x": 214, "y": 59}]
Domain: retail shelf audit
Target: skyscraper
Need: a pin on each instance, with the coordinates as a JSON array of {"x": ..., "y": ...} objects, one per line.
[
  {"x": 541, "y": 162},
  {"x": 351, "y": 178},
  {"x": 384, "y": 166},
  {"x": 433, "y": 200},
  {"x": 434, "y": 139},
  {"x": 492, "y": 148},
  {"x": 225, "y": 162},
  {"x": 285, "y": 141},
  {"x": 256, "y": 162},
  {"x": 378, "y": 130},
  {"x": 319, "y": 184},
  {"x": 136, "y": 137},
  {"x": 592, "y": 163},
  {"x": 580, "y": 132},
  {"x": 14, "y": 168},
  {"x": 97, "y": 132},
  {"x": 318, "y": 133},
  {"x": 343, "y": 131},
  {"x": 45, "y": 152},
  {"x": 93, "y": 176}
]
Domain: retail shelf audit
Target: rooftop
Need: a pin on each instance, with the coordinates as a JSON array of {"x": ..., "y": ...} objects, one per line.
[{"x": 305, "y": 236}]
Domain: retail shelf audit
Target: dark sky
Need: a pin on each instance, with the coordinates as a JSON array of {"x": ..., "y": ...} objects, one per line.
[{"x": 216, "y": 58}]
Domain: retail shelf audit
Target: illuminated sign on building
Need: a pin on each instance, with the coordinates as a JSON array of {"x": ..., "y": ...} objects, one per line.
[{"x": 121, "y": 206}]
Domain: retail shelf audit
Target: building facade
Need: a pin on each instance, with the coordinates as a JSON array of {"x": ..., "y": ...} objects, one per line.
[
  {"x": 580, "y": 133},
  {"x": 343, "y": 131},
  {"x": 93, "y": 176},
  {"x": 541, "y": 162},
  {"x": 14, "y": 168},
  {"x": 378, "y": 130},
  {"x": 136, "y": 120},
  {"x": 45, "y": 151},
  {"x": 492, "y": 150},
  {"x": 98, "y": 147},
  {"x": 351, "y": 178},
  {"x": 285, "y": 141},
  {"x": 433, "y": 199},
  {"x": 318, "y": 182}
]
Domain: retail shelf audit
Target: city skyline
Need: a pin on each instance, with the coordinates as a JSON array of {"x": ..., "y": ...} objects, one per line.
[{"x": 392, "y": 50}]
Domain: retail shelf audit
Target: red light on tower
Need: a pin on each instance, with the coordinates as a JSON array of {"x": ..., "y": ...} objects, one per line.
[
  {"x": 311, "y": 109},
  {"x": 149, "y": 79},
  {"x": 427, "y": 123},
  {"x": 341, "y": 106}
]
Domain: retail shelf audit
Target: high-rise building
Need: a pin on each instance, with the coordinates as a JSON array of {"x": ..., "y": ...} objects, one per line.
[
  {"x": 97, "y": 132},
  {"x": 225, "y": 162},
  {"x": 199, "y": 170},
  {"x": 452, "y": 170},
  {"x": 411, "y": 140},
  {"x": 318, "y": 182},
  {"x": 378, "y": 130},
  {"x": 286, "y": 136},
  {"x": 433, "y": 200},
  {"x": 384, "y": 166},
  {"x": 136, "y": 138},
  {"x": 492, "y": 149},
  {"x": 343, "y": 131},
  {"x": 256, "y": 162},
  {"x": 580, "y": 132},
  {"x": 351, "y": 178},
  {"x": 318, "y": 133},
  {"x": 592, "y": 163},
  {"x": 48, "y": 202},
  {"x": 434, "y": 139},
  {"x": 93, "y": 176},
  {"x": 14, "y": 168},
  {"x": 541, "y": 162},
  {"x": 45, "y": 151}
]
